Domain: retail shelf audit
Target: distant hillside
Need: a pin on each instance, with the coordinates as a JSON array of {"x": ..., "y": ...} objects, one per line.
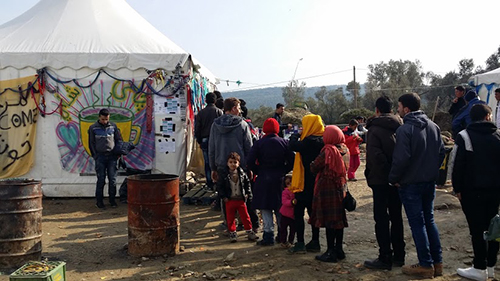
[{"x": 271, "y": 96}]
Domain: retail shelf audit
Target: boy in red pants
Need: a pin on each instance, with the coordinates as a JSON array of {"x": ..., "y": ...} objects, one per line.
[{"x": 234, "y": 190}]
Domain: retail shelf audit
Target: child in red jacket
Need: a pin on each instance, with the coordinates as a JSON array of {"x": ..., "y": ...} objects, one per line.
[{"x": 352, "y": 142}]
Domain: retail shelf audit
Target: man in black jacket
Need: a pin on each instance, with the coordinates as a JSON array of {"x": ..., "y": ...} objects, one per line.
[
  {"x": 381, "y": 139},
  {"x": 475, "y": 181},
  {"x": 202, "y": 126},
  {"x": 458, "y": 101},
  {"x": 280, "y": 108}
]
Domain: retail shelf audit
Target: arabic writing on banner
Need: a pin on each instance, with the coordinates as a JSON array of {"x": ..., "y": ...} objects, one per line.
[{"x": 18, "y": 117}]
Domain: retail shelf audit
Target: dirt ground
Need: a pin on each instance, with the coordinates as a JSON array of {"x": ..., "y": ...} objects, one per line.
[{"x": 92, "y": 243}]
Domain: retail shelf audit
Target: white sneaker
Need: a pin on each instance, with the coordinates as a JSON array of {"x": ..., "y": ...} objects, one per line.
[
  {"x": 473, "y": 273},
  {"x": 491, "y": 272}
]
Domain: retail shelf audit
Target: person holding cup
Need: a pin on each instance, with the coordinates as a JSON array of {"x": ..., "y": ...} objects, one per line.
[{"x": 103, "y": 135}]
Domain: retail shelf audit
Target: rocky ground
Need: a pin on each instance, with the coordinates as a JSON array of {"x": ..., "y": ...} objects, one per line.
[{"x": 92, "y": 243}]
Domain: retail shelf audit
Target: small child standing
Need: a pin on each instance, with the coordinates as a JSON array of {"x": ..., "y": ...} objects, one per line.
[
  {"x": 352, "y": 141},
  {"x": 234, "y": 190},
  {"x": 286, "y": 211}
]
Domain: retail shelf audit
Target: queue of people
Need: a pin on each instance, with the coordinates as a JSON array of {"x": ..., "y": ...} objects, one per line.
[{"x": 282, "y": 178}]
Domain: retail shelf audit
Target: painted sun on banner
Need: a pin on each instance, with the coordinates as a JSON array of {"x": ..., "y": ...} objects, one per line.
[{"x": 80, "y": 109}]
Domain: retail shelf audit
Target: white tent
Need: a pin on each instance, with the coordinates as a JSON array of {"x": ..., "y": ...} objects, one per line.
[
  {"x": 485, "y": 85},
  {"x": 96, "y": 53}
]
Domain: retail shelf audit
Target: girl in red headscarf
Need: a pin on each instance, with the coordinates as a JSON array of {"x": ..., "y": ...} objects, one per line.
[{"x": 329, "y": 191}]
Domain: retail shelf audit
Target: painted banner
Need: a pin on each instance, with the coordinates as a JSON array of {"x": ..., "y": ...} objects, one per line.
[
  {"x": 80, "y": 109},
  {"x": 18, "y": 117}
]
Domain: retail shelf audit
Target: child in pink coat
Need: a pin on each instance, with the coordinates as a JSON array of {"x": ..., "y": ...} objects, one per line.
[{"x": 286, "y": 211}]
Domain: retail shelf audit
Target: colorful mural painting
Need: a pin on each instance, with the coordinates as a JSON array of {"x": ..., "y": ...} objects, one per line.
[
  {"x": 18, "y": 117},
  {"x": 80, "y": 107}
]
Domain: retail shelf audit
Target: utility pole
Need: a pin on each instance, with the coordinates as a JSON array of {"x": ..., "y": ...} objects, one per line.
[{"x": 355, "y": 88}]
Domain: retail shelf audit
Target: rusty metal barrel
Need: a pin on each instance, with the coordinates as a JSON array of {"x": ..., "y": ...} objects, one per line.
[
  {"x": 153, "y": 215},
  {"x": 20, "y": 222}
]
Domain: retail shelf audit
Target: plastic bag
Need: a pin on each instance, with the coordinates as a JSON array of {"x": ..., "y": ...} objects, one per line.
[{"x": 493, "y": 232}]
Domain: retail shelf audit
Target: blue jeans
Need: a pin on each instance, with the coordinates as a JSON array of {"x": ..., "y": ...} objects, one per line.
[
  {"x": 268, "y": 220},
  {"x": 105, "y": 164},
  {"x": 418, "y": 201},
  {"x": 208, "y": 171}
]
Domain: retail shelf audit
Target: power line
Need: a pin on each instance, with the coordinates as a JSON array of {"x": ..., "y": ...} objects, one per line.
[{"x": 280, "y": 82}]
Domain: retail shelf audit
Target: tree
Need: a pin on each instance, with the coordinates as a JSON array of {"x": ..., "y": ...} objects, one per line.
[
  {"x": 392, "y": 79},
  {"x": 351, "y": 89},
  {"x": 493, "y": 62},
  {"x": 465, "y": 70},
  {"x": 294, "y": 92},
  {"x": 328, "y": 104}
]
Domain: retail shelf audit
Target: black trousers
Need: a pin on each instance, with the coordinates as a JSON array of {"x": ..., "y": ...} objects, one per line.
[
  {"x": 388, "y": 217},
  {"x": 299, "y": 212},
  {"x": 479, "y": 208}
]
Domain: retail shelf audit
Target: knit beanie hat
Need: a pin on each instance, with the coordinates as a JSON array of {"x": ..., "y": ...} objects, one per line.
[
  {"x": 271, "y": 126},
  {"x": 470, "y": 95}
]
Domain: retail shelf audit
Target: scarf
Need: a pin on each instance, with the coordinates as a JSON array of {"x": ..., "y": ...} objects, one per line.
[
  {"x": 333, "y": 158},
  {"x": 312, "y": 125}
]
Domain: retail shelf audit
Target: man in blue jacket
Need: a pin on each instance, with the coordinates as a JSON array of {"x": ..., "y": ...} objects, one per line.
[
  {"x": 462, "y": 119},
  {"x": 417, "y": 156}
]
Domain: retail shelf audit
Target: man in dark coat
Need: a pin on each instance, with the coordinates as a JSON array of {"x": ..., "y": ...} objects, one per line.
[
  {"x": 475, "y": 181},
  {"x": 458, "y": 101},
  {"x": 278, "y": 113},
  {"x": 381, "y": 139},
  {"x": 417, "y": 156},
  {"x": 202, "y": 125}
]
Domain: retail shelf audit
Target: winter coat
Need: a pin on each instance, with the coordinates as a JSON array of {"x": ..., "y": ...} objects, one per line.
[
  {"x": 309, "y": 148},
  {"x": 229, "y": 133},
  {"x": 102, "y": 138},
  {"x": 270, "y": 159},
  {"x": 462, "y": 118},
  {"x": 380, "y": 142},
  {"x": 204, "y": 120},
  {"x": 419, "y": 150},
  {"x": 286, "y": 203},
  {"x": 224, "y": 189},
  {"x": 327, "y": 208},
  {"x": 455, "y": 107},
  {"x": 282, "y": 126},
  {"x": 477, "y": 170}
]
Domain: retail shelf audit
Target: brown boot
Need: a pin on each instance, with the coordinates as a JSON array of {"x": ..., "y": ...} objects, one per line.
[
  {"x": 418, "y": 270},
  {"x": 438, "y": 269}
]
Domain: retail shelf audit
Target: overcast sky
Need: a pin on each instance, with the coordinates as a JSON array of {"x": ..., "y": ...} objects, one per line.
[{"x": 261, "y": 42}]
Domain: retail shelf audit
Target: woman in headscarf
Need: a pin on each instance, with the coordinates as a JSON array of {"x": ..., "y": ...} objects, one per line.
[
  {"x": 308, "y": 145},
  {"x": 329, "y": 191},
  {"x": 269, "y": 159}
]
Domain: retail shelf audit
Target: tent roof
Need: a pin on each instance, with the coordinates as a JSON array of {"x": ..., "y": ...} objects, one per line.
[
  {"x": 489, "y": 77},
  {"x": 86, "y": 33}
]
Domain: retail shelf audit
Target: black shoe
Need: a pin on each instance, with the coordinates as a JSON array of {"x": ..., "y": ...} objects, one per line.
[
  {"x": 313, "y": 246},
  {"x": 113, "y": 204},
  {"x": 328, "y": 256},
  {"x": 378, "y": 264},
  {"x": 264, "y": 243},
  {"x": 398, "y": 263},
  {"x": 340, "y": 254},
  {"x": 100, "y": 205}
]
